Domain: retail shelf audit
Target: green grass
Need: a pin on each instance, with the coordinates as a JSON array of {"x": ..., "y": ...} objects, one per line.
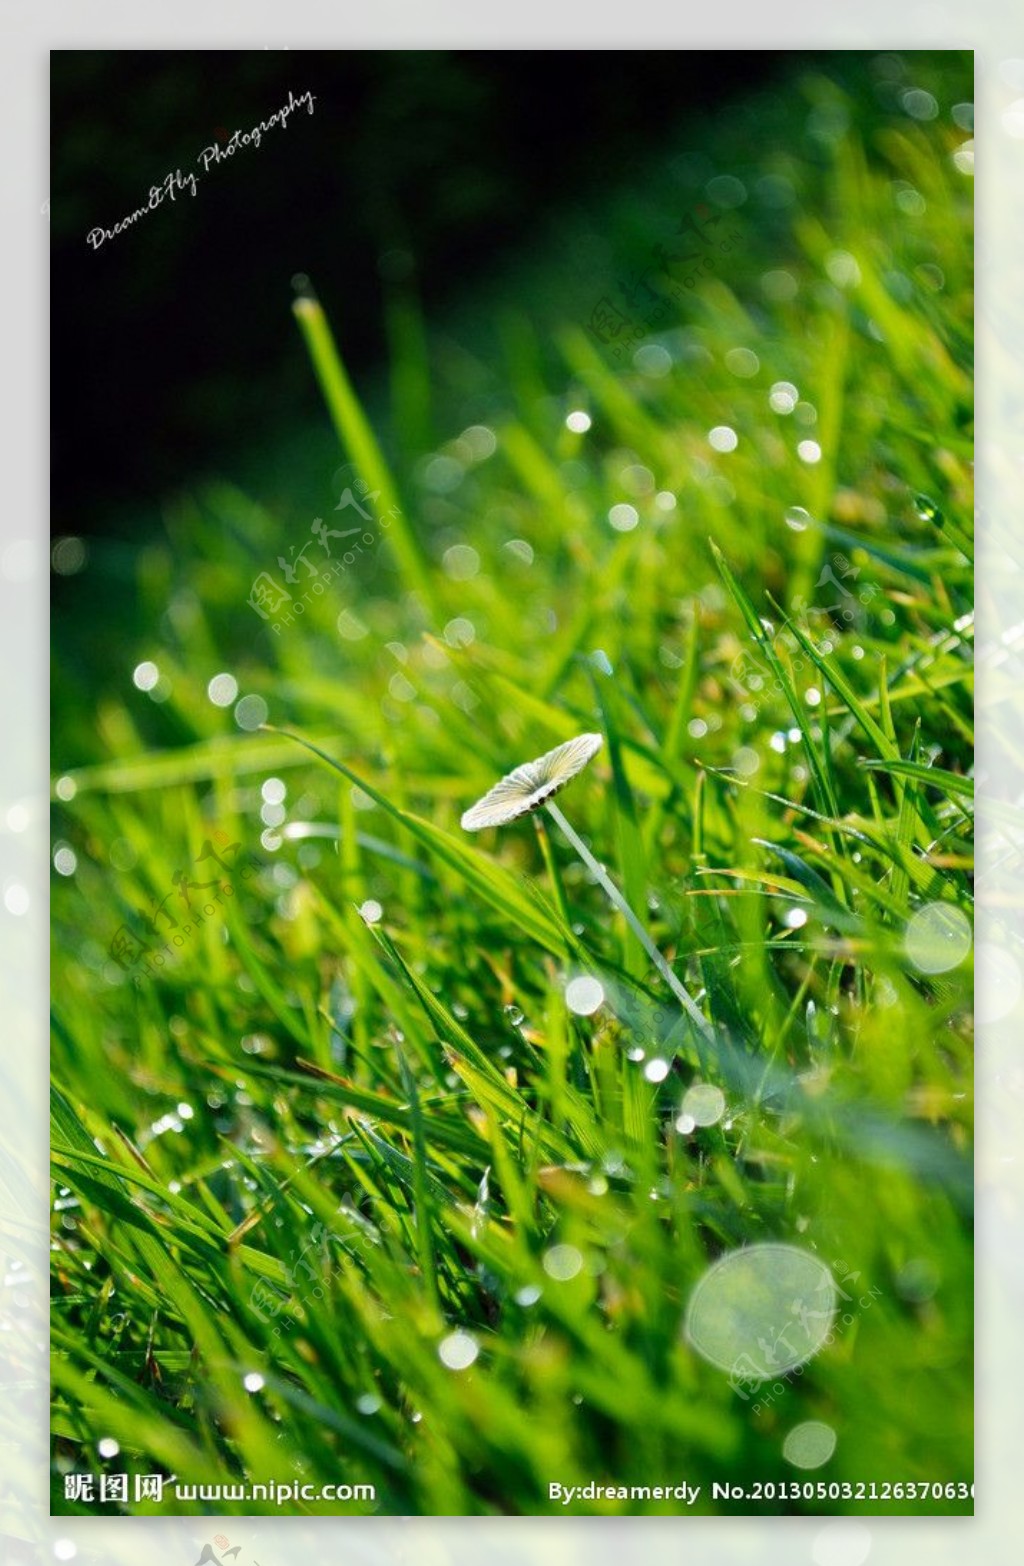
[{"x": 317, "y": 1149}]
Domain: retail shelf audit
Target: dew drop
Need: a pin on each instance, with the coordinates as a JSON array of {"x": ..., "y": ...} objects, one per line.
[
  {"x": 584, "y": 995},
  {"x": 222, "y": 690},
  {"x": 145, "y": 675},
  {"x": 703, "y": 1104},
  {"x": 65, "y": 860},
  {"x": 458, "y": 1351},
  {"x": 562, "y": 1262}
]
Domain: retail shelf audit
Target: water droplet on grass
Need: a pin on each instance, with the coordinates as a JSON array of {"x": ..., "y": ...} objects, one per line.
[
  {"x": 842, "y": 268},
  {"x": 458, "y": 1351},
  {"x": 222, "y": 690},
  {"x": 725, "y": 190},
  {"x": 920, "y": 105},
  {"x": 623, "y": 518},
  {"x": 461, "y": 562},
  {"x": 481, "y": 440},
  {"x": 703, "y": 1104},
  {"x": 67, "y": 557},
  {"x": 145, "y": 675},
  {"x": 460, "y": 632},
  {"x": 521, "y": 549},
  {"x": 251, "y": 712},
  {"x": 442, "y": 474},
  {"x": 65, "y": 860},
  {"x": 917, "y": 1281},
  {"x": 584, "y": 995},
  {"x": 779, "y": 286},
  {"x": 653, "y": 360},
  {"x": 562, "y": 1262},
  {"x": 742, "y": 362}
]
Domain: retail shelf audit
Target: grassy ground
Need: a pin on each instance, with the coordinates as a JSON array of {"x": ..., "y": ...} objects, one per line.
[{"x": 347, "y": 1190}]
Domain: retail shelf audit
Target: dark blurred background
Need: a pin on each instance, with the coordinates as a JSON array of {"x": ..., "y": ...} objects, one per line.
[{"x": 173, "y": 343}]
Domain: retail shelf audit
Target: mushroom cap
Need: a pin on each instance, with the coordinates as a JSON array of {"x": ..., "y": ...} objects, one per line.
[{"x": 531, "y": 784}]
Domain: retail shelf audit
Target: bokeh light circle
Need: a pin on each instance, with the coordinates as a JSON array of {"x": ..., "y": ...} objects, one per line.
[
  {"x": 760, "y": 1311},
  {"x": 251, "y": 712},
  {"x": 704, "y": 1103},
  {"x": 809, "y": 1445},
  {"x": 937, "y": 938},
  {"x": 584, "y": 995}
]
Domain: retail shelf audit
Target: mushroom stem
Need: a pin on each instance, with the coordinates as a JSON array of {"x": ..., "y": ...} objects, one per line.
[
  {"x": 612, "y": 892},
  {"x": 553, "y": 876}
]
